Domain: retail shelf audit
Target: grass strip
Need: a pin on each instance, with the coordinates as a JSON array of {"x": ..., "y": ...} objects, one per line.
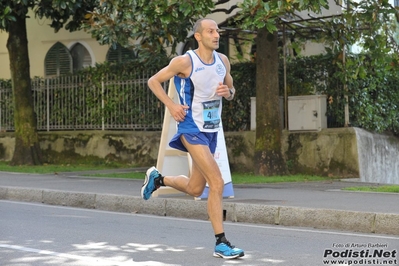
[
  {"x": 385, "y": 188},
  {"x": 259, "y": 179},
  {"x": 237, "y": 178},
  {"x": 55, "y": 168}
]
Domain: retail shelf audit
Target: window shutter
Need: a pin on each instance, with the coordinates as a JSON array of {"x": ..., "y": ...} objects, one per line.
[
  {"x": 58, "y": 61},
  {"x": 119, "y": 54},
  {"x": 81, "y": 57}
]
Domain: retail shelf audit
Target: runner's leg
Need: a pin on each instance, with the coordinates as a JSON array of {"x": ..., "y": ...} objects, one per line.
[
  {"x": 194, "y": 186},
  {"x": 205, "y": 167}
]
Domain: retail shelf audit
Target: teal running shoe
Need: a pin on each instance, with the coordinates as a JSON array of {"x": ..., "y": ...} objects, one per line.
[
  {"x": 226, "y": 251},
  {"x": 149, "y": 185}
]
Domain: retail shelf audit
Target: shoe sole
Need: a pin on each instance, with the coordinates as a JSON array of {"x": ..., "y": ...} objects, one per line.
[
  {"x": 219, "y": 255},
  {"x": 147, "y": 174}
]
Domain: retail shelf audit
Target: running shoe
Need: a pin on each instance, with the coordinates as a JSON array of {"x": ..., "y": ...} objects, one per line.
[
  {"x": 227, "y": 251},
  {"x": 149, "y": 185}
]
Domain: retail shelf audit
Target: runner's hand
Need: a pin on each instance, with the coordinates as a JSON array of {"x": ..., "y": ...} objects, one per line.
[
  {"x": 223, "y": 90},
  {"x": 178, "y": 112}
]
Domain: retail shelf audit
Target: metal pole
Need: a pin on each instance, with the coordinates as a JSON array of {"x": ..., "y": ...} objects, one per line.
[
  {"x": 285, "y": 80},
  {"x": 48, "y": 104},
  {"x": 102, "y": 105}
]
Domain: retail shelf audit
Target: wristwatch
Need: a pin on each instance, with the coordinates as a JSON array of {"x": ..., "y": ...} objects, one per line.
[{"x": 231, "y": 94}]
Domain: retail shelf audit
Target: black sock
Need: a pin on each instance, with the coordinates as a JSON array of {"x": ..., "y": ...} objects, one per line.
[
  {"x": 159, "y": 181},
  {"x": 220, "y": 238}
]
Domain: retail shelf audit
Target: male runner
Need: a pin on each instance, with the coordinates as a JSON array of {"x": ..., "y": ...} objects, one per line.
[{"x": 202, "y": 78}]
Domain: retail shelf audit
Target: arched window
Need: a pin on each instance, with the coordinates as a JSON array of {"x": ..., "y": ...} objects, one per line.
[
  {"x": 58, "y": 61},
  {"x": 80, "y": 56},
  {"x": 119, "y": 54}
]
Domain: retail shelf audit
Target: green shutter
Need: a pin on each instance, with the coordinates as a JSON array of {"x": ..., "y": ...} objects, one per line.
[
  {"x": 119, "y": 54},
  {"x": 58, "y": 61},
  {"x": 80, "y": 56}
]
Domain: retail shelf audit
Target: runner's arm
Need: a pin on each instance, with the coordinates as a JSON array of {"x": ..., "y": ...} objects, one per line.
[
  {"x": 176, "y": 66},
  {"x": 227, "y": 89}
]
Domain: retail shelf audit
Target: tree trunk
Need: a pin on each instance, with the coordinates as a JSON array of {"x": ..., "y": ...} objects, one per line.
[
  {"x": 268, "y": 156},
  {"x": 26, "y": 150}
]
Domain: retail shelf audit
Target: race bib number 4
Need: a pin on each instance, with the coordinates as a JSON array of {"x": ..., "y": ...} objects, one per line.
[{"x": 211, "y": 114}]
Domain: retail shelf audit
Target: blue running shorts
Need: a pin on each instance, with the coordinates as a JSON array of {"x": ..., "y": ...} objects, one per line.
[{"x": 202, "y": 138}]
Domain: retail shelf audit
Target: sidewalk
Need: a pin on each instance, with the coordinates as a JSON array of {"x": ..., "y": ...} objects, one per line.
[{"x": 310, "y": 204}]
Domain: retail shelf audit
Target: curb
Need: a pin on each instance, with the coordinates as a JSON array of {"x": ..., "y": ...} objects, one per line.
[{"x": 354, "y": 221}]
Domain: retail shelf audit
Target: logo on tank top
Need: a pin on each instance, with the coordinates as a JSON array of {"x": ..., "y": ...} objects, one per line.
[{"x": 220, "y": 70}]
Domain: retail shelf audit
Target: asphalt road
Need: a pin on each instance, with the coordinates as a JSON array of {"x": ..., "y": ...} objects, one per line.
[{"x": 39, "y": 235}]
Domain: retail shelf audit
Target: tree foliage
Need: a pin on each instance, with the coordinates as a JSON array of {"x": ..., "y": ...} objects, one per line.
[
  {"x": 265, "y": 14},
  {"x": 365, "y": 54},
  {"x": 68, "y": 14},
  {"x": 147, "y": 26}
]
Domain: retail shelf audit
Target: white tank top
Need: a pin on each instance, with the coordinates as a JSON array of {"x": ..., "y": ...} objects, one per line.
[{"x": 198, "y": 91}]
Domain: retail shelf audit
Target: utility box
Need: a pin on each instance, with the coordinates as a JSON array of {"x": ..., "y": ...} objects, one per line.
[{"x": 307, "y": 112}]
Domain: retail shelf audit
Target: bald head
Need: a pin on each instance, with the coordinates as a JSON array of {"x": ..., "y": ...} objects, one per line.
[{"x": 198, "y": 25}]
